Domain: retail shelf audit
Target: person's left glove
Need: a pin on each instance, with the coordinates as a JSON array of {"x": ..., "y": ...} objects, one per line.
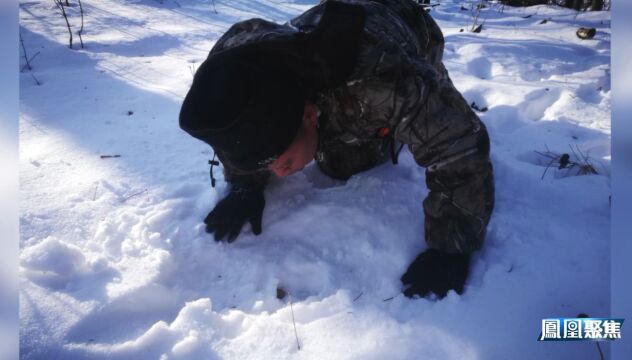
[
  {"x": 436, "y": 272},
  {"x": 231, "y": 213}
]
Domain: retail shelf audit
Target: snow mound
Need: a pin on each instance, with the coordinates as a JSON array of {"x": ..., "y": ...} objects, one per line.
[
  {"x": 56, "y": 264},
  {"x": 324, "y": 329}
]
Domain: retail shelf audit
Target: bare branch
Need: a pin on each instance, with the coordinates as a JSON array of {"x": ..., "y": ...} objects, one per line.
[
  {"x": 60, "y": 5},
  {"x": 547, "y": 168},
  {"x": 81, "y": 29},
  {"x": 34, "y": 78},
  {"x": 600, "y": 352},
  {"x": 474, "y": 27},
  {"x": 573, "y": 151},
  {"x": 30, "y": 60},
  {"x": 28, "y": 64},
  {"x": 582, "y": 165}
]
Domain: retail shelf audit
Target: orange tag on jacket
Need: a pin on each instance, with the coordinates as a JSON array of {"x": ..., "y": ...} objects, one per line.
[{"x": 383, "y": 132}]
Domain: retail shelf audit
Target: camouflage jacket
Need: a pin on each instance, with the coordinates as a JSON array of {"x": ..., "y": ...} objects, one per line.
[{"x": 398, "y": 90}]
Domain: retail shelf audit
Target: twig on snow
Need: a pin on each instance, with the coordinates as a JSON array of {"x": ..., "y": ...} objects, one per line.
[
  {"x": 547, "y": 166},
  {"x": 600, "y": 352},
  {"x": 585, "y": 167},
  {"x": 30, "y": 59},
  {"x": 298, "y": 344},
  {"x": 27, "y": 64},
  {"x": 34, "y": 78},
  {"x": 135, "y": 194},
  {"x": 583, "y": 163},
  {"x": 583, "y": 316},
  {"x": 26, "y": 58},
  {"x": 94, "y": 196}
]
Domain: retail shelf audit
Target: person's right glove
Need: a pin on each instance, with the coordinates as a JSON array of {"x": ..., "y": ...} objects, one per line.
[
  {"x": 434, "y": 271},
  {"x": 231, "y": 213}
]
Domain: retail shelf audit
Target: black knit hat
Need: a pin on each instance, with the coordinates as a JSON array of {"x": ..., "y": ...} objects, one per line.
[
  {"x": 247, "y": 102},
  {"x": 248, "y": 113}
]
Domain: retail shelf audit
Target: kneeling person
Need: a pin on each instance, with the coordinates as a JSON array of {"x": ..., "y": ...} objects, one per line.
[{"x": 342, "y": 84}]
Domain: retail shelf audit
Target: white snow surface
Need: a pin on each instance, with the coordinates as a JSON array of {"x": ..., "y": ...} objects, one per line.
[{"x": 115, "y": 262}]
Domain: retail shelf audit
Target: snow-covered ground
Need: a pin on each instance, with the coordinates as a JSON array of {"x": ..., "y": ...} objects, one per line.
[{"x": 115, "y": 263}]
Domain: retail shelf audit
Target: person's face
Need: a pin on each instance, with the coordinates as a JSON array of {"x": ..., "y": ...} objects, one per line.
[{"x": 302, "y": 149}]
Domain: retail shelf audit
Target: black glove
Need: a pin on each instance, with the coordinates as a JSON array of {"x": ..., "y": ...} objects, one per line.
[
  {"x": 437, "y": 272},
  {"x": 229, "y": 215}
]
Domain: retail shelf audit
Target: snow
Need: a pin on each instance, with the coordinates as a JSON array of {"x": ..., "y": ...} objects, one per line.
[{"x": 115, "y": 263}]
